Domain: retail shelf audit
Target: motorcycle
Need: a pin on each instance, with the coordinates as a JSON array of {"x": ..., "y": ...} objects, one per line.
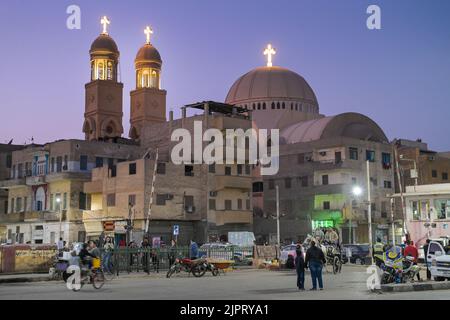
[
  {"x": 398, "y": 269},
  {"x": 410, "y": 270},
  {"x": 392, "y": 266},
  {"x": 197, "y": 267}
]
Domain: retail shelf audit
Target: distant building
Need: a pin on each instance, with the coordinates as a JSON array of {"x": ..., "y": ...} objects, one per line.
[{"x": 427, "y": 211}]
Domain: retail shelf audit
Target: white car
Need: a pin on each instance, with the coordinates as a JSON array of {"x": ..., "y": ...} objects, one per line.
[{"x": 438, "y": 258}]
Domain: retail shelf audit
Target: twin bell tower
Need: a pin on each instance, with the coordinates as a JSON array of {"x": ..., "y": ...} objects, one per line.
[{"x": 104, "y": 93}]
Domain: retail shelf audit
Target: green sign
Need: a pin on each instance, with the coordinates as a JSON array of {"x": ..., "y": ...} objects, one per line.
[{"x": 322, "y": 224}]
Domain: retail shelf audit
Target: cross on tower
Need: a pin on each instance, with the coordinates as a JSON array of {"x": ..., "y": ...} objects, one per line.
[
  {"x": 269, "y": 52},
  {"x": 105, "y": 22},
  {"x": 148, "y": 32}
]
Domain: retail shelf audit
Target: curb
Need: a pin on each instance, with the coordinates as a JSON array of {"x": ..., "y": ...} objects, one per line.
[
  {"x": 23, "y": 280},
  {"x": 408, "y": 287}
]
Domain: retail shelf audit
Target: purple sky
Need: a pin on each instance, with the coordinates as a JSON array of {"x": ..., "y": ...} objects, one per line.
[{"x": 399, "y": 76}]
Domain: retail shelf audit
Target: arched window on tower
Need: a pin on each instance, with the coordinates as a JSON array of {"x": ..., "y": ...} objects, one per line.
[
  {"x": 278, "y": 105},
  {"x": 93, "y": 71},
  {"x": 110, "y": 71},
  {"x": 101, "y": 71},
  {"x": 154, "y": 80},
  {"x": 253, "y": 106},
  {"x": 284, "y": 105},
  {"x": 259, "y": 106},
  {"x": 296, "y": 107},
  {"x": 264, "y": 106},
  {"x": 273, "y": 105}
]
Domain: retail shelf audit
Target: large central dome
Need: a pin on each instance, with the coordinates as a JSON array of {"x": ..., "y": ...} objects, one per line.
[
  {"x": 271, "y": 82},
  {"x": 276, "y": 96}
]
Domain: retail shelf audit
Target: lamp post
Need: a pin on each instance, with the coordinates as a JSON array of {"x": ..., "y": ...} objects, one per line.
[
  {"x": 369, "y": 211},
  {"x": 357, "y": 191},
  {"x": 278, "y": 215},
  {"x": 58, "y": 201}
]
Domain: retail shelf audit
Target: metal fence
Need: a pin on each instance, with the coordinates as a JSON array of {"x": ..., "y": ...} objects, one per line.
[{"x": 160, "y": 259}]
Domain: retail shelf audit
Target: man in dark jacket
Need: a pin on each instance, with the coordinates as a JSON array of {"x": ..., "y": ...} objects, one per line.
[
  {"x": 314, "y": 261},
  {"x": 300, "y": 267}
]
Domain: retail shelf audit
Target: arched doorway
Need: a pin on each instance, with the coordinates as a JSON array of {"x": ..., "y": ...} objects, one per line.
[{"x": 40, "y": 199}]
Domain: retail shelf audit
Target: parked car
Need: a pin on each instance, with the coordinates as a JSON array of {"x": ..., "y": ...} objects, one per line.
[
  {"x": 421, "y": 258},
  {"x": 438, "y": 258},
  {"x": 227, "y": 251},
  {"x": 286, "y": 251},
  {"x": 360, "y": 253}
]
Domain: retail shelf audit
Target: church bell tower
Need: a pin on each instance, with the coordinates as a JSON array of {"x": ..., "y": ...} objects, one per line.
[
  {"x": 148, "y": 101},
  {"x": 104, "y": 93}
]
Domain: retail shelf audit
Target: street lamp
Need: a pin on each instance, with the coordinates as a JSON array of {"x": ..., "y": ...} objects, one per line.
[
  {"x": 58, "y": 201},
  {"x": 356, "y": 191}
]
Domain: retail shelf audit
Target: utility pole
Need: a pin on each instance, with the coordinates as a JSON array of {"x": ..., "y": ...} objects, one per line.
[
  {"x": 278, "y": 216},
  {"x": 393, "y": 222},
  {"x": 369, "y": 211},
  {"x": 405, "y": 231},
  {"x": 152, "y": 192}
]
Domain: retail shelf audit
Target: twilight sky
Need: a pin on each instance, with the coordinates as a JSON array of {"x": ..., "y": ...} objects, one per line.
[{"x": 399, "y": 76}]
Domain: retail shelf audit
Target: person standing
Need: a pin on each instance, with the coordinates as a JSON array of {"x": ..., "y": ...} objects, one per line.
[
  {"x": 146, "y": 248},
  {"x": 108, "y": 248},
  {"x": 300, "y": 267},
  {"x": 412, "y": 251},
  {"x": 425, "y": 253},
  {"x": 314, "y": 261},
  {"x": 193, "y": 252},
  {"x": 172, "y": 252}
]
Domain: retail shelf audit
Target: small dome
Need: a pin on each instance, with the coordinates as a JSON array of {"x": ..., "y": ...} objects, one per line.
[
  {"x": 271, "y": 83},
  {"x": 351, "y": 125},
  {"x": 104, "y": 43},
  {"x": 148, "y": 55}
]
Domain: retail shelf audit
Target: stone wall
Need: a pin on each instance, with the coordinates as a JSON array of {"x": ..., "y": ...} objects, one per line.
[{"x": 26, "y": 259}]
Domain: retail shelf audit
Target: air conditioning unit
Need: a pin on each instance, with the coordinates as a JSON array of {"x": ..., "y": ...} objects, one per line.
[
  {"x": 190, "y": 209},
  {"x": 213, "y": 194},
  {"x": 323, "y": 153},
  {"x": 169, "y": 197}
]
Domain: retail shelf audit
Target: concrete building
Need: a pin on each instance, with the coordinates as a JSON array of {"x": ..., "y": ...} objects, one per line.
[
  {"x": 427, "y": 211},
  {"x": 421, "y": 166},
  {"x": 45, "y": 188},
  {"x": 205, "y": 201}
]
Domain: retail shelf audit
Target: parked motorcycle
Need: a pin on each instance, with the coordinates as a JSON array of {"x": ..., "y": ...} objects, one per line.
[
  {"x": 197, "y": 267},
  {"x": 392, "y": 266},
  {"x": 398, "y": 269}
]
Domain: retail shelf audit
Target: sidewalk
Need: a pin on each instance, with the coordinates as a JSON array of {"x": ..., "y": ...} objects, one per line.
[{"x": 18, "y": 278}]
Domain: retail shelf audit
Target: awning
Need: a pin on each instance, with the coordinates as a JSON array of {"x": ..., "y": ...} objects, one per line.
[{"x": 93, "y": 227}]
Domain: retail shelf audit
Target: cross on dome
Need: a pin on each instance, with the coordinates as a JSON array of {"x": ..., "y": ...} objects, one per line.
[
  {"x": 269, "y": 52},
  {"x": 105, "y": 22},
  {"x": 148, "y": 32}
]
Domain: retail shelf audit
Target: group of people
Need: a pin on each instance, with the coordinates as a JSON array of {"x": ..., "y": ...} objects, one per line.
[
  {"x": 326, "y": 236},
  {"x": 314, "y": 260}
]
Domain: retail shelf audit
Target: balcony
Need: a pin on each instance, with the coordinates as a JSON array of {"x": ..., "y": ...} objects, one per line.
[
  {"x": 233, "y": 216},
  {"x": 35, "y": 181},
  {"x": 67, "y": 175},
  {"x": 8, "y": 184},
  {"x": 93, "y": 187},
  {"x": 233, "y": 182},
  {"x": 31, "y": 216}
]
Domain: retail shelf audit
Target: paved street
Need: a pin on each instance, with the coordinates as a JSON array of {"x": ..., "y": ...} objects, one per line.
[{"x": 239, "y": 285}]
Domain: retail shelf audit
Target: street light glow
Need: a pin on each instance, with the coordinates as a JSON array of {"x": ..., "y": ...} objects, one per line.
[
  {"x": 58, "y": 200},
  {"x": 357, "y": 191}
]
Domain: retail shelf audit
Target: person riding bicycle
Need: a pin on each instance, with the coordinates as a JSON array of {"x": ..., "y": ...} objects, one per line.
[{"x": 86, "y": 256}]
